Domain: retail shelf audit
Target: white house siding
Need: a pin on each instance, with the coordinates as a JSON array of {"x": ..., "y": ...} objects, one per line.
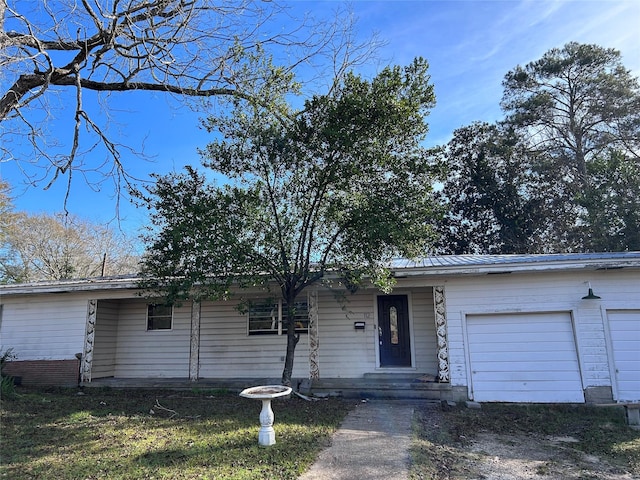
[
  {"x": 542, "y": 292},
  {"x": 228, "y": 351},
  {"x": 106, "y": 336},
  {"x": 344, "y": 352},
  {"x": 156, "y": 353},
  {"x": 624, "y": 330},
  {"x": 43, "y": 327},
  {"x": 348, "y": 353},
  {"x": 592, "y": 343},
  {"x": 424, "y": 331}
]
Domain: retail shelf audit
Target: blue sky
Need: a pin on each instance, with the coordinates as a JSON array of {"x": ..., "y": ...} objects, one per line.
[{"x": 470, "y": 46}]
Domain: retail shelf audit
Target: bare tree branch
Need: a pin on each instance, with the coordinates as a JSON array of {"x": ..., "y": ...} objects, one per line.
[{"x": 202, "y": 49}]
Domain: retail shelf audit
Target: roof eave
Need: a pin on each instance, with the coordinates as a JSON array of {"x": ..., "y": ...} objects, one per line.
[
  {"x": 66, "y": 286},
  {"x": 131, "y": 282},
  {"x": 505, "y": 268}
]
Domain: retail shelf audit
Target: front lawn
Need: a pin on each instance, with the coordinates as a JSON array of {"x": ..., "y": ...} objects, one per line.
[{"x": 141, "y": 434}]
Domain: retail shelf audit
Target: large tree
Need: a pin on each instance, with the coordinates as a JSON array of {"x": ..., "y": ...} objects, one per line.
[
  {"x": 610, "y": 220},
  {"x": 59, "y": 247},
  {"x": 575, "y": 103},
  {"x": 558, "y": 173},
  {"x": 53, "y": 53},
  {"x": 340, "y": 188},
  {"x": 487, "y": 194},
  {"x": 572, "y": 108}
]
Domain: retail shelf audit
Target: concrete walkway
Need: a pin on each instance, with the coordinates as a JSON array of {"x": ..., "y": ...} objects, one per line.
[{"x": 372, "y": 443}]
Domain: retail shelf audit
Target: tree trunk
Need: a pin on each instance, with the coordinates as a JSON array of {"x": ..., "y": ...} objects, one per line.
[{"x": 292, "y": 341}]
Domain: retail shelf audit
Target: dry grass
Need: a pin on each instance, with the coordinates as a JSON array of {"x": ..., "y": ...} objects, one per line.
[{"x": 501, "y": 441}]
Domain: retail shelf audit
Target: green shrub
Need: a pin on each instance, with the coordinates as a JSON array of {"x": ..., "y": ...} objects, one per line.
[{"x": 7, "y": 385}]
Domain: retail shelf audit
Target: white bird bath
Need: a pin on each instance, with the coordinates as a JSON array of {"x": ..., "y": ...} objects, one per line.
[{"x": 266, "y": 436}]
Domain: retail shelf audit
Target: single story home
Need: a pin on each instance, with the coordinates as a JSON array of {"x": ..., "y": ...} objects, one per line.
[{"x": 495, "y": 328}]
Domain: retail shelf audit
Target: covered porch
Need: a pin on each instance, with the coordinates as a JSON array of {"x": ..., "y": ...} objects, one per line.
[{"x": 208, "y": 347}]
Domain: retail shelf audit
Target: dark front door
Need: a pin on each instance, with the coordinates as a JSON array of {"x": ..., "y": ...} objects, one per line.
[{"x": 393, "y": 331}]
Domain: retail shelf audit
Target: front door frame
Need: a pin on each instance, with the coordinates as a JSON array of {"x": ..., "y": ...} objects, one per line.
[{"x": 410, "y": 339}]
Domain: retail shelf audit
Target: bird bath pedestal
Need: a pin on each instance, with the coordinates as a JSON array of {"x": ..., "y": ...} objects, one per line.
[{"x": 266, "y": 436}]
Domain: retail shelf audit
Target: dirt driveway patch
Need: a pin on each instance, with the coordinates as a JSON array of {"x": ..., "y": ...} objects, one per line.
[{"x": 516, "y": 442}]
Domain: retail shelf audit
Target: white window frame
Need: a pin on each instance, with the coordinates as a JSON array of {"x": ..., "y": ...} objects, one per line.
[
  {"x": 150, "y": 306},
  {"x": 276, "y": 315}
]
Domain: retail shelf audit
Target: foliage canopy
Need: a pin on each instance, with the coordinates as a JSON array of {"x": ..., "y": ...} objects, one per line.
[
  {"x": 568, "y": 177},
  {"x": 340, "y": 187}
]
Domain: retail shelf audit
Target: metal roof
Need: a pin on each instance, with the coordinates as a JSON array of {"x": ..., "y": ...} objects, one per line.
[
  {"x": 515, "y": 259},
  {"x": 61, "y": 286},
  {"x": 427, "y": 266}
]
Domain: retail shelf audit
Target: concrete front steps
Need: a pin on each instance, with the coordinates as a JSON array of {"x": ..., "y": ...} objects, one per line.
[
  {"x": 380, "y": 385},
  {"x": 371, "y": 385}
]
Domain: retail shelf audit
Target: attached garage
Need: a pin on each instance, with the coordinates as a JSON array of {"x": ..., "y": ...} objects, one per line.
[
  {"x": 523, "y": 357},
  {"x": 625, "y": 342}
]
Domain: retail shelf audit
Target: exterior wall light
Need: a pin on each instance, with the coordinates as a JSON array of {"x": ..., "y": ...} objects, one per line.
[{"x": 590, "y": 295}]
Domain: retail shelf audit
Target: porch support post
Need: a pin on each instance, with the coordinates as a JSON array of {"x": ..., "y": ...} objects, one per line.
[
  {"x": 441, "y": 333},
  {"x": 194, "y": 352},
  {"x": 89, "y": 337},
  {"x": 314, "y": 369}
]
